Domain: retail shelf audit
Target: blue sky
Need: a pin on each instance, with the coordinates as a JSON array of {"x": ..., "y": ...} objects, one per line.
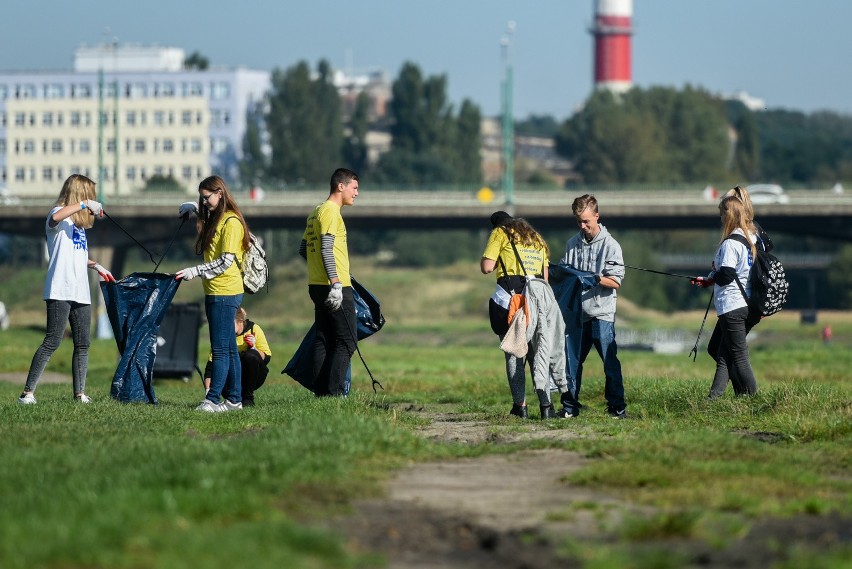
[{"x": 793, "y": 54}]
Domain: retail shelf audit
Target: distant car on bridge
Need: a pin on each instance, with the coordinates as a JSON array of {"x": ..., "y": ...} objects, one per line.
[
  {"x": 767, "y": 193},
  {"x": 6, "y": 197}
]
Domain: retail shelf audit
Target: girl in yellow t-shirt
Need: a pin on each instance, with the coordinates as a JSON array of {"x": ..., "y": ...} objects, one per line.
[{"x": 223, "y": 239}]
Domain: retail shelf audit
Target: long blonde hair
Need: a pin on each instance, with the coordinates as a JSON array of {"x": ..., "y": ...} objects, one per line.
[
  {"x": 735, "y": 216},
  {"x": 208, "y": 220},
  {"x": 78, "y": 188},
  {"x": 742, "y": 193}
]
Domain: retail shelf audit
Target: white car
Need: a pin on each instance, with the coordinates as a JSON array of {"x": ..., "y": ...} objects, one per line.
[
  {"x": 6, "y": 197},
  {"x": 767, "y": 193}
]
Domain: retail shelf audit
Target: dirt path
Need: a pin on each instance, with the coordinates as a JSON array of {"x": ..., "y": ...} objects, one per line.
[{"x": 516, "y": 510}]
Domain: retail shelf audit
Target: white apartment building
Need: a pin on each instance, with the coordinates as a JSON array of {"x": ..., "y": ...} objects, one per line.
[{"x": 157, "y": 118}]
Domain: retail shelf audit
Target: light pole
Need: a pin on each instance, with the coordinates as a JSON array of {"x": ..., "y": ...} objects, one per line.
[{"x": 508, "y": 127}]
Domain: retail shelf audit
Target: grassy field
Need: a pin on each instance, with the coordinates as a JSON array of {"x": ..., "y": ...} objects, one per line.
[{"x": 112, "y": 485}]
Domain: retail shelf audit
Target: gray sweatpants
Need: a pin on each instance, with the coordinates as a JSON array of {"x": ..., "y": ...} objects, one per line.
[{"x": 59, "y": 313}]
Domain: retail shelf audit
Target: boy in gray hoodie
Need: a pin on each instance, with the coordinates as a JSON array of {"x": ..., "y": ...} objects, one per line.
[{"x": 590, "y": 250}]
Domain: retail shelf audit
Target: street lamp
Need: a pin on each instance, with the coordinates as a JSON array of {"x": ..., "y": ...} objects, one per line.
[{"x": 508, "y": 126}]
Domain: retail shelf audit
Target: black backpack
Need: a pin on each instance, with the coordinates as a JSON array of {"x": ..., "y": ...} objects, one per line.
[{"x": 769, "y": 284}]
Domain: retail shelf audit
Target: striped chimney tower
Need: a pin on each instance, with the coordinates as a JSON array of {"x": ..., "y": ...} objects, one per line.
[{"x": 612, "y": 30}]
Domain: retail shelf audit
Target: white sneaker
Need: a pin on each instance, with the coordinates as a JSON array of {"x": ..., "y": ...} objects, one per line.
[
  {"x": 228, "y": 406},
  {"x": 27, "y": 399},
  {"x": 209, "y": 407},
  {"x": 82, "y": 398}
]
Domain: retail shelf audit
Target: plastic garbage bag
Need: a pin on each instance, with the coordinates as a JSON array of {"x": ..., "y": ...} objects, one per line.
[
  {"x": 369, "y": 320},
  {"x": 136, "y": 306}
]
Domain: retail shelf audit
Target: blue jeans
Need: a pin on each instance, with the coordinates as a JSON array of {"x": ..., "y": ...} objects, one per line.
[
  {"x": 601, "y": 335},
  {"x": 226, "y": 376}
]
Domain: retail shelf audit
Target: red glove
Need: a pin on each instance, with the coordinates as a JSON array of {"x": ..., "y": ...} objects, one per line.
[
  {"x": 703, "y": 282},
  {"x": 103, "y": 274},
  {"x": 249, "y": 340}
]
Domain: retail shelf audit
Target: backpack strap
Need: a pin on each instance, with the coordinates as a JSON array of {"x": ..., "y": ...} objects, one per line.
[
  {"x": 740, "y": 239},
  {"x": 237, "y": 257},
  {"x": 517, "y": 255}
]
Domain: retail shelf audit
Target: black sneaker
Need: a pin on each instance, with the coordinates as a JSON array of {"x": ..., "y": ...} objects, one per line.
[
  {"x": 618, "y": 414},
  {"x": 519, "y": 411}
]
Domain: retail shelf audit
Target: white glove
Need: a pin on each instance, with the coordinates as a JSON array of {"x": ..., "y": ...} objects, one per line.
[
  {"x": 187, "y": 208},
  {"x": 249, "y": 340},
  {"x": 335, "y": 297},
  {"x": 187, "y": 274},
  {"x": 103, "y": 274},
  {"x": 96, "y": 207}
]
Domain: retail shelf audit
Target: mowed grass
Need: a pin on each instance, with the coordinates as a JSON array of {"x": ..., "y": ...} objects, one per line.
[{"x": 114, "y": 485}]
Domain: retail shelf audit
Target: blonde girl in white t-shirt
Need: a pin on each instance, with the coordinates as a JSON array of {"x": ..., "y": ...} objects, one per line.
[{"x": 66, "y": 288}]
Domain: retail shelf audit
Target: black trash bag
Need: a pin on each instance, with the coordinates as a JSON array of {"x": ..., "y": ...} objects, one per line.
[
  {"x": 368, "y": 319},
  {"x": 136, "y": 306}
]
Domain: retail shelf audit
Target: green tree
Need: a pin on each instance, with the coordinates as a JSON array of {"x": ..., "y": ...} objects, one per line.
[
  {"x": 655, "y": 135},
  {"x": 355, "y": 141},
  {"x": 160, "y": 183},
  {"x": 253, "y": 165},
  {"x": 429, "y": 144},
  {"x": 196, "y": 61},
  {"x": 305, "y": 124}
]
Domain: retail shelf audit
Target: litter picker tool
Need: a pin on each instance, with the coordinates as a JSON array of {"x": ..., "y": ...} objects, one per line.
[
  {"x": 151, "y": 255},
  {"x": 182, "y": 221},
  {"x": 694, "y": 351},
  {"x": 651, "y": 270}
]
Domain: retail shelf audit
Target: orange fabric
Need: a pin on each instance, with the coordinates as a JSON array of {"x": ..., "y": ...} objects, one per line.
[{"x": 517, "y": 302}]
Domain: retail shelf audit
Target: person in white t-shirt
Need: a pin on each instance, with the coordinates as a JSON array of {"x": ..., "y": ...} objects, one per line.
[
  {"x": 730, "y": 277},
  {"x": 66, "y": 288}
]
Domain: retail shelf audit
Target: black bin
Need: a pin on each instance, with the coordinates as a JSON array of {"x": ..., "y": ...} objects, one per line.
[{"x": 177, "y": 342}]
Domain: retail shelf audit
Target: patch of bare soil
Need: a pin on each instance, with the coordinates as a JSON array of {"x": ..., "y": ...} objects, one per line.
[
  {"x": 46, "y": 377},
  {"x": 517, "y": 510}
]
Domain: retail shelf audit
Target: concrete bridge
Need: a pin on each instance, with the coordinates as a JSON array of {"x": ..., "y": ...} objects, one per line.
[{"x": 152, "y": 217}]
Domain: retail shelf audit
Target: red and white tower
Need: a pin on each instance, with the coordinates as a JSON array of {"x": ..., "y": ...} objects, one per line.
[{"x": 612, "y": 30}]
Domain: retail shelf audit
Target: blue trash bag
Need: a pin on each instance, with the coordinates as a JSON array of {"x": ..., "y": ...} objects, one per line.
[
  {"x": 136, "y": 306},
  {"x": 568, "y": 286},
  {"x": 368, "y": 319}
]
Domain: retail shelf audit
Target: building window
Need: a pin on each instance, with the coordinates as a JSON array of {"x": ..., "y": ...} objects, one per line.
[
  {"x": 75, "y": 118},
  {"x": 32, "y": 119},
  {"x": 47, "y": 174},
  {"x": 159, "y": 118},
  {"x": 29, "y": 146},
  {"x": 220, "y": 90},
  {"x": 54, "y": 91},
  {"x": 20, "y": 119},
  {"x": 131, "y": 172},
  {"x": 167, "y": 90},
  {"x": 186, "y": 173},
  {"x": 186, "y": 117},
  {"x": 192, "y": 89},
  {"x": 130, "y": 118},
  {"x": 3, "y": 120},
  {"x": 137, "y": 90},
  {"x": 139, "y": 145},
  {"x": 47, "y": 119},
  {"x": 110, "y": 145},
  {"x": 56, "y": 146},
  {"x": 84, "y": 91},
  {"x": 195, "y": 145},
  {"x": 4, "y": 92},
  {"x": 19, "y": 174},
  {"x": 85, "y": 146},
  {"x": 143, "y": 118},
  {"x": 168, "y": 145},
  {"x": 25, "y": 91}
]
